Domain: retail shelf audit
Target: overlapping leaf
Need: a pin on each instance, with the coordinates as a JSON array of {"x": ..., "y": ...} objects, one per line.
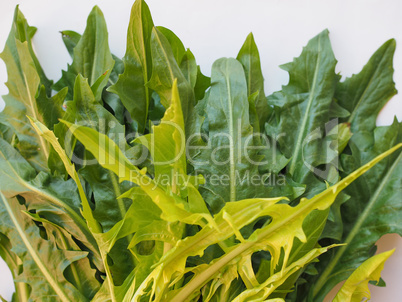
[
  {"x": 229, "y": 160},
  {"x": 303, "y": 108},
  {"x": 165, "y": 70},
  {"x": 167, "y": 146},
  {"x": 371, "y": 211},
  {"x": 273, "y": 237},
  {"x": 92, "y": 57},
  {"x": 174, "y": 261},
  {"x": 259, "y": 110},
  {"x": 24, "y": 79},
  {"x": 43, "y": 264},
  {"x": 113, "y": 223},
  {"x": 366, "y": 93},
  {"x": 373, "y": 207},
  {"x": 356, "y": 286},
  {"x": 130, "y": 86},
  {"x": 53, "y": 198}
]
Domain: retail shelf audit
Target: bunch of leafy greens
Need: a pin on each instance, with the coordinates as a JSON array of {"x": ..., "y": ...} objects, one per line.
[{"x": 141, "y": 179}]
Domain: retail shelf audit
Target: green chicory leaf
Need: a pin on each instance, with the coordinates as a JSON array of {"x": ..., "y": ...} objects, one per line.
[{"x": 141, "y": 179}]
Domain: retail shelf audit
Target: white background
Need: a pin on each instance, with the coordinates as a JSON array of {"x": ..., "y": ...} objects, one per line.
[{"x": 217, "y": 28}]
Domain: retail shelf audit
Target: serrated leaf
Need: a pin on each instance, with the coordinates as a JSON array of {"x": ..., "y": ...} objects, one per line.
[
  {"x": 273, "y": 237},
  {"x": 365, "y": 94},
  {"x": 104, "y": 184},
  {"x": 19, "y": 178},
  {"x": 79, "y": 273},
  {"x": 372, "y": 210},
  {"x": 265, "y": 290},
  {"x": 168, "y": 146},
  {"x": 24, "y": 76},
  {"x": 355, "y": 289},
  {"x": 111, "y": 222},
  {"x": 303, "y": 106},
  {"x": 71, "y": 39},
  {"x": 42, "y": 271},
  {"x": 313, "y": 226}
]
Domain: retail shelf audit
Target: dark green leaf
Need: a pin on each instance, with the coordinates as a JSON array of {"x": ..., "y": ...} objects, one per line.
[
  {"x": 109, "y": 208},
  {"x": 366, "y": 93},
  {"x": 305, "y": 105},
  {"x": 229, "y": 160},
  {"x": 70, "y": 39},
  {"x": 202, "y": 84},
  {"x": 372, "y": 210}
]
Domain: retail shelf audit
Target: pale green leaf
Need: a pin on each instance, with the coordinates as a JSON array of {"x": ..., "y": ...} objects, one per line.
[
  {"x": 130, "y": 85},
  {"x": 355, "y": 289},
  {"x": 167, "y": 144}
]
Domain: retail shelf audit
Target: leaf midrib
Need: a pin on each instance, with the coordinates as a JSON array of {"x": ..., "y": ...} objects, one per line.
[
  {"x": 42, "y": 267},
  {"x": 10, "y": 257},
  {"x": 95, "y": 56},
  {"x": 231, "y": 139},
  {"x": 214, "y": 268},
  {"x": 165, "y": 56},
  {"x": 330, "y": 267},
  {"x": 185, "y": 249},
  {"x": 55, "y": 200},
  {"x": 307, "y": 112},
  {"x": 144, "y": 63},
  {"x": 36, "y": 116}
]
